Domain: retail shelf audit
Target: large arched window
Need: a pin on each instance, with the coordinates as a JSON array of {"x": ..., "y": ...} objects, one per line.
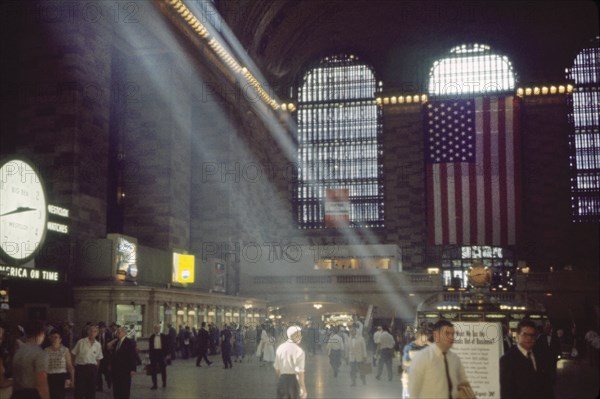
[
  {"x": 339, "y": 146},
  {"x": 471, "y": 69},
  {"x": 585, "y": 139}
]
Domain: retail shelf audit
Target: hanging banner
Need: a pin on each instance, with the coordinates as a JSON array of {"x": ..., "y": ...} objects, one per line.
[{"x": 337, "y": 208}]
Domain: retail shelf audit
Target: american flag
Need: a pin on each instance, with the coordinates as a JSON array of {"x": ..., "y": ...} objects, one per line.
[{"x": 473, "y": 184}]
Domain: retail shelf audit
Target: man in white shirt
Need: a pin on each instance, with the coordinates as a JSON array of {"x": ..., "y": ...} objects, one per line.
[
  {"x": 88, "y": 353},
  {"x": 386, "y": 352},
  {"x": 376, "y": 337},
  {"x": 335, "y": 348},
  {"x": 357, "y": 355},
  {"x": 436, "y": 372},
  {"x": 289, "y": 366}
]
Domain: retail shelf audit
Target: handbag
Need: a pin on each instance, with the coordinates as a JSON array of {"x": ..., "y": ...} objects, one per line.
[
  {"x": 148, "y": 369},
  {"x": 365, "y": 369}
]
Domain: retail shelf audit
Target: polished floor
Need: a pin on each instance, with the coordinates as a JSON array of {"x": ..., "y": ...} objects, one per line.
[{"x": 249, "y": 380}]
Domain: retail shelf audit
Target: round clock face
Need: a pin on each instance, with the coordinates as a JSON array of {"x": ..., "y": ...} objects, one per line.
[
  {"x": 479, "y": 276},
  {"x": 23, "y": 211}
]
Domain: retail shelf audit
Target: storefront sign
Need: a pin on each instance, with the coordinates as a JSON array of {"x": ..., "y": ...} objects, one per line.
[
  {"x": 479, "y": 346},
  {"x": 183, "y": 268},
  {"x": 29, "y": 273}
]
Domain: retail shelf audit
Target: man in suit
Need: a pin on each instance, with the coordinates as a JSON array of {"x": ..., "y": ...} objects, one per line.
[
  {"x": 524, "y": 370},
  {"x": 549, "y": 343},
  {"x": 104, "y": 337},
  {"x": 507, "y": 340},
  {"x": 203, "y": 344},
  {"x": 124, "y": 364},
  {"x": 159, "y": 351}
]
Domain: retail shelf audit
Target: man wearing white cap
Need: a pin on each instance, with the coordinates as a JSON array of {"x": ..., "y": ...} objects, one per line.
[{"x": 289, "y": 366}]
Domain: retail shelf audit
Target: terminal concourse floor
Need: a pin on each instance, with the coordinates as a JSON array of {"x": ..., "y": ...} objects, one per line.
[{"x": 248, "y": 380}]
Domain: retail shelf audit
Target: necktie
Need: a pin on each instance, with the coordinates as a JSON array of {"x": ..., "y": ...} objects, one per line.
[
  {"x": 531, "y": 360},
  {"x": 119, "y": 344},
  {"x": 448, "y": 376}
]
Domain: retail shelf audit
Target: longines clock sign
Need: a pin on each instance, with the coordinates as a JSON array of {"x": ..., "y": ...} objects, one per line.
[{"x": 24, "y": 212}]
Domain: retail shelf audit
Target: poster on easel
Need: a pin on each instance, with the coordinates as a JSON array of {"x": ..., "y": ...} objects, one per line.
[{"x": 479, "y": 347}]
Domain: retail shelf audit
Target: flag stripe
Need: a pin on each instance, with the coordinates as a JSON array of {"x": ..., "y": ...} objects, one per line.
[
  {"x": 502, "y": 170},
  {"x": 443, "y": 173},
  {"x": 479, "y": 172},
  {"x": 458, "y": 193},
  {"x": 451, "y": 204},
  {"x": 495, "y": 169},
  {"x": 487, "y": 170}
]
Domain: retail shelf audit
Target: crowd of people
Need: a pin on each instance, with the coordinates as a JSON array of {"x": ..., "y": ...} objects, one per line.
[{"x": 43, "y": 360}]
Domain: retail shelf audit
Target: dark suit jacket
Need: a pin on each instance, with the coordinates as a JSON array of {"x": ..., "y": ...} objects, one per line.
[
  {"x": 164, "y": 343},
  {"x": 552, "y": 351},
  {"x": 203, "y": 339},
  {"x": 519, "y": 380},
  {"x": 124, "y": 360}
]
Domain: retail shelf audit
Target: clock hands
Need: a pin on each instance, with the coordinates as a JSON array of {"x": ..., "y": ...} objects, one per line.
[{"x": 18, "y": 210}]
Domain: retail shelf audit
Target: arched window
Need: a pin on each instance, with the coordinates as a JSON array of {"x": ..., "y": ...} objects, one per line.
[
  {"x": 471, "y": 69},
  {"x": 585, "y": 138},
  {"x": 340, "y": 171}
]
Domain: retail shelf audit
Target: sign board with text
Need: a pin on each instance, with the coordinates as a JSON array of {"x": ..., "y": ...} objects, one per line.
[{"x": 479, "y": 346}]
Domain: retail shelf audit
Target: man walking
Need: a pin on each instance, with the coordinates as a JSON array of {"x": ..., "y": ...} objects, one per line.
[
  {"x": 159, "y": 350},
  {"x": 88, "y": 353},
  {"x": 289, "y": 366},
  {"x": 386, "y": 352},
  {"x": 436, "y": 371},
  {"x": 335, "y": 348},
  {"x": 124, "y": 364},
  {"x": 203, "y": 344},
  {"x": 357, "y": 355}
]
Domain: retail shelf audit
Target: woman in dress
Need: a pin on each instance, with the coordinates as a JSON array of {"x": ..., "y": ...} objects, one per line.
[
  {"x": 60, "y": 367},
  {"x": 269, "y": 345}
]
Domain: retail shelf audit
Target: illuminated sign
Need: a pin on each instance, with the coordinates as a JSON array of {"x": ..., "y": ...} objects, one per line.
[
  {"x": 55, "y": 226},
  {"x": 58, "y": 227},
  {"x": 125, "y": 256},
  {"x": 28, "y": 273},
  {"x": 183, "y": 268},
  {"x": 495, "y": 316},
  {"x": 58, "y": 211}
]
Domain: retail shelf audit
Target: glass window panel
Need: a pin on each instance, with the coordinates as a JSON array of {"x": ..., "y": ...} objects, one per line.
[
  {"x": 585, "y": 138},
  {"x": 346, "y": 133},
  {"x": 471, "y": 69}
]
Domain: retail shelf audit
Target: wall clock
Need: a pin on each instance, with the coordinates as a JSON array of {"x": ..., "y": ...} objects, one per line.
[{"x": 23, "y": 211}]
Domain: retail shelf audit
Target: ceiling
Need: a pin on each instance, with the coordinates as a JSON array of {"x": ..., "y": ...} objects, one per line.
[{"x": 402, "y": 38}]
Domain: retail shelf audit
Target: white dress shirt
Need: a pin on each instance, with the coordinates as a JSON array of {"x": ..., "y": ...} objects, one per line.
[
  {"x": 157, "y": 343},
  {"x": 376, "y": 336},
  {"x": 427, "y": 374},
  {"x": 289, "y": 358},
  {"x": 524, "y": 352},
  {"x": 86, "y": 352},
  {"x": 386, "y": 341},
  {"x": 357, "y": 349},
  {"x": 335, "y": 343}
]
